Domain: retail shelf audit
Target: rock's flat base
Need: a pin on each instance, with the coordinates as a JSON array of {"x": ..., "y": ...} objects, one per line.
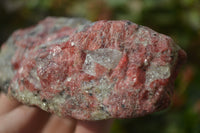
[{"x": 90, "y": 71}]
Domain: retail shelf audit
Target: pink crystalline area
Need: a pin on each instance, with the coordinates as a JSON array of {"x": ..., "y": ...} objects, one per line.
[{"x": 107, "y": 69}]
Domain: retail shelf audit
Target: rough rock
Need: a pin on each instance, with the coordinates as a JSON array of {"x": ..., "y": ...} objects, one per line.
[{"x": 90, "y": 71}]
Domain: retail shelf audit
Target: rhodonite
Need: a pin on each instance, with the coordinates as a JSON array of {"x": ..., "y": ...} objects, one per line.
[{"x": 90, "y": 71}]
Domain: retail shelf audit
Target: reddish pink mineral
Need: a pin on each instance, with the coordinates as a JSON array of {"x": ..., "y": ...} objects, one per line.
[{"x": 90, "y": 71}]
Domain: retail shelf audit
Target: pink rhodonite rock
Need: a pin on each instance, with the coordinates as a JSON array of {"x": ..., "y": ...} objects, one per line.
[{"x": 90, "y": 71}]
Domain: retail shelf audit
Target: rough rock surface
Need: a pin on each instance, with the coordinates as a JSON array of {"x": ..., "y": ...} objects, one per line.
[{"x": 90, "y": 71}]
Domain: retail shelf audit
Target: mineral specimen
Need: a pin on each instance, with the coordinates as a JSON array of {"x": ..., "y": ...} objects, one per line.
[{"x": 90, "y": 71}]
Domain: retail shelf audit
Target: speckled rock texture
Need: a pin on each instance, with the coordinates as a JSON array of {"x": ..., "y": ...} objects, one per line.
[{"x": 90, "y": 71}]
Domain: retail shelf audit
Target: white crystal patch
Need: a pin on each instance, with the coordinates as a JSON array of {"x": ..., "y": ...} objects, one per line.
[
  {"x": 89, "y": 66},
  {"x": 109, "y": 58},
  {"x": 101, "y": 89},
  {"x": 143, "y": 36},
  {"x": 157, "y": 72}
]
